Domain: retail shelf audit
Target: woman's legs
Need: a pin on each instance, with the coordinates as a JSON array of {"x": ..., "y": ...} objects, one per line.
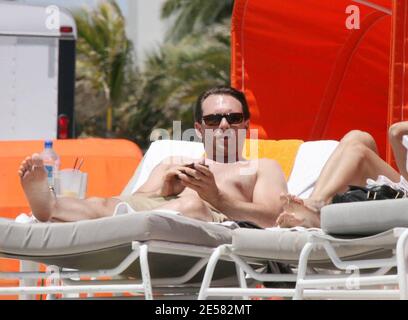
[
  {"x": 395, "y": 133},
  {"x": 354, "y": 160},
  {"x": 352, "y": 163}
]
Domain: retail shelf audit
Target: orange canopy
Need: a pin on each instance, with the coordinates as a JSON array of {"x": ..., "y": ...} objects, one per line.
[
  {"x": 307, "y": 76},
  {"x": 109, "y": 164}
]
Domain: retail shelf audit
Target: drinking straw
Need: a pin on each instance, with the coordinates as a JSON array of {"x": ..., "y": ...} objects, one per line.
[
  {"x": 80, "y": 163},
  {"x": 76, "y": 160}
]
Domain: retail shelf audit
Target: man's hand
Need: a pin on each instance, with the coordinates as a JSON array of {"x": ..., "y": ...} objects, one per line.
[
  {"x": 172, "y": 184},
  {"x": 202, "y": 180}
]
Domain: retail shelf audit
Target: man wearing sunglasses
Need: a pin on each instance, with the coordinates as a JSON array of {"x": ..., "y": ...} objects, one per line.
[
  {"x": 220, "y": 186},
  {"x": 222, "y": 183}
]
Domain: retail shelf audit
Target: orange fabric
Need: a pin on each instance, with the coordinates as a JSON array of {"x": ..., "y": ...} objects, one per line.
[
  {"x": 283, "y": 151},
  {"x": 307, "y": 76},
  {"x": 109, "y": 164}
]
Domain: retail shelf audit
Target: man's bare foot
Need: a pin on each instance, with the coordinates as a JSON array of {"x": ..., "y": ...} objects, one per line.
[
  {"x": 34, "y": 182},
  {"x": 297, "y": 213}
]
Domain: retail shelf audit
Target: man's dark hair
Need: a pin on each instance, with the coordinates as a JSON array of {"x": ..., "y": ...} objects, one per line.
[{"x": 222, "y": 90}]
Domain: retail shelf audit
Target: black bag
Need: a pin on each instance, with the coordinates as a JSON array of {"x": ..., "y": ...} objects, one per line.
[
  {"x": 356, "y": 193},
  {"x": 247, "y": 224}
]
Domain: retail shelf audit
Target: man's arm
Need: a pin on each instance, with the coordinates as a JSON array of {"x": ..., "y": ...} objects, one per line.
[
  {"x": 266, "y": 204},
  {"x": 163, "y": 180},
  {"x": 154, "y": 182}
]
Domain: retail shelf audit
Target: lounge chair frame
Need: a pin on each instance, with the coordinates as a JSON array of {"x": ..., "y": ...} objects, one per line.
[
  {"x": 67, "y": 282},
  {"x": 320, "y": 285}
]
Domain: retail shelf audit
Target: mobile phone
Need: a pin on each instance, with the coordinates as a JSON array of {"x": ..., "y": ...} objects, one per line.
[{"x": 191, "y": 165}]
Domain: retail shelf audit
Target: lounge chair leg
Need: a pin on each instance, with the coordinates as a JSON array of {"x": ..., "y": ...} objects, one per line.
[
  {"x": 242, "y": 280},
  {"x": 209, "y": 271},
  {"x": 402, "y": 265},
  {"x": 304, "y": 256},
  {"x": 144, "y": 267},
  {"x": 53, "y": 280},
  {"x": 28, "y": 266}
]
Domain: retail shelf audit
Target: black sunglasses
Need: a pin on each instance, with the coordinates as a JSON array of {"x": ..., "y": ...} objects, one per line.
[{"x": 215, "y": 119}]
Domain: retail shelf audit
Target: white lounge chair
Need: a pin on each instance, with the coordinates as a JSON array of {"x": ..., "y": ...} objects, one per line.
[
  {"x": 138, "y": 251},
  {"x": 360, "y": 252}
]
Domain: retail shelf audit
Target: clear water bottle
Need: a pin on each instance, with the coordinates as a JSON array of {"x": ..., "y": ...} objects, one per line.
[{"x": 51, "y": 162}]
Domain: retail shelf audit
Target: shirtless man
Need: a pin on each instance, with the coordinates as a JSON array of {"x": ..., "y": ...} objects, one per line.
[
  {"x": 202, "y": 189},
  {"x": 354, "y": 161}
]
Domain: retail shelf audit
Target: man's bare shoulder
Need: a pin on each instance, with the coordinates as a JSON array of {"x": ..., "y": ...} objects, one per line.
[{"x": 268, "y": 164}]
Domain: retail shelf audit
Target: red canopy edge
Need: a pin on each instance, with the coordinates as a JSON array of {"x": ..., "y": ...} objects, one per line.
[{"x": 307, "y": 76}]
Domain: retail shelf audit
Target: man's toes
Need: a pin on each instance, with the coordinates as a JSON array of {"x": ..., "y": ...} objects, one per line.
[
  {"x": 296, "y": 221},
  {"x": 288, "y": 206},
  {"x": 293, "y": 221},
  {"x": 283, "y": 219},
  {"x": 29, "y": 162},
  {"x": 284, "y": 197},
  {"x": 26, "y": 163},
  {"x": 278, "y": 220},
  {"x": 289, "y": 220},
  {"x": 285, "y": 222},
  {"x": 295, "y": 199},
  {"x": 23, "y": 167},
  {"x": 37, "y": 160}
]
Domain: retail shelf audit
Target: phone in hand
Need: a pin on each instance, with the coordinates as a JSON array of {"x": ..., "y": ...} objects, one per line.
[{"x": 192, "y": 166}]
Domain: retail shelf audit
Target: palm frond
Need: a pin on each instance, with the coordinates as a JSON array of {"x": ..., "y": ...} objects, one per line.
[
  {"x": 103, "y": 50},
  {"x": 194, "y": 15}
]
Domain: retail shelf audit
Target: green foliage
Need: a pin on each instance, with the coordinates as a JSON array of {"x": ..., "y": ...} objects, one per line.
[
  {"x": 174, "y": 76},
  {"x": 192, "y": 16},
  {"x": 195, "y": 58},
  {"x": 103, "y": 51}
]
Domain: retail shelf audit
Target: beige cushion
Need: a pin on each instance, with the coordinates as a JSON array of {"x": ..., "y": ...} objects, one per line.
[
  {"x": 364, "y": 218},
  {"x": 285, "y": 245},
  {"x": 104, "y": 243}
]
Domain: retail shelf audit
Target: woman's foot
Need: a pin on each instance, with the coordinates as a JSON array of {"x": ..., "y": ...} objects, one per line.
[
  {"x": 298, "y": 213},
  {"x": 34, "y": 182}
]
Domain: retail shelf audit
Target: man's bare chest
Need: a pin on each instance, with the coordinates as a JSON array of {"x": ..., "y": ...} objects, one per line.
[{"x": 234, "y": 176}]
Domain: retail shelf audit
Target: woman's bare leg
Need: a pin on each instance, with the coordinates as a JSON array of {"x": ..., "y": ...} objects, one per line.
[
  {"x": 354, "y": 160},
  {"x": 352, "y": 163},
  {"x": 395, "y": 133}
]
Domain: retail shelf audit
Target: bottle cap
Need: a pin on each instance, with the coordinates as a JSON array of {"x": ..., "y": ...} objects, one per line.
[{"x": 48, "y": 144}]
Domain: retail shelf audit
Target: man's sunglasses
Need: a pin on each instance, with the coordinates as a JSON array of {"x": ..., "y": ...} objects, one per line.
[{"x": 215, "y": 119}]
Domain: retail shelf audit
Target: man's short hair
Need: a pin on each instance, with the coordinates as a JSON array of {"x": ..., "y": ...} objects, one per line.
[{"x": 221, "y": 90}]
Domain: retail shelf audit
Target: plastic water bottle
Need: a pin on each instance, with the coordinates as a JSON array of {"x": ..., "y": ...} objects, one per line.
[{"x": 51, "y": 162}]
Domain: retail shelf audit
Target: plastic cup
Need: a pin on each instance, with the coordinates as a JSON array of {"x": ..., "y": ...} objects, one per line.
[{"x": 71, "y": 183}]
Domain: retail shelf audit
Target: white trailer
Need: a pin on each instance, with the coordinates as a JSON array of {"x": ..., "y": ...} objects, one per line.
[{"x": 37, "y": 72}]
